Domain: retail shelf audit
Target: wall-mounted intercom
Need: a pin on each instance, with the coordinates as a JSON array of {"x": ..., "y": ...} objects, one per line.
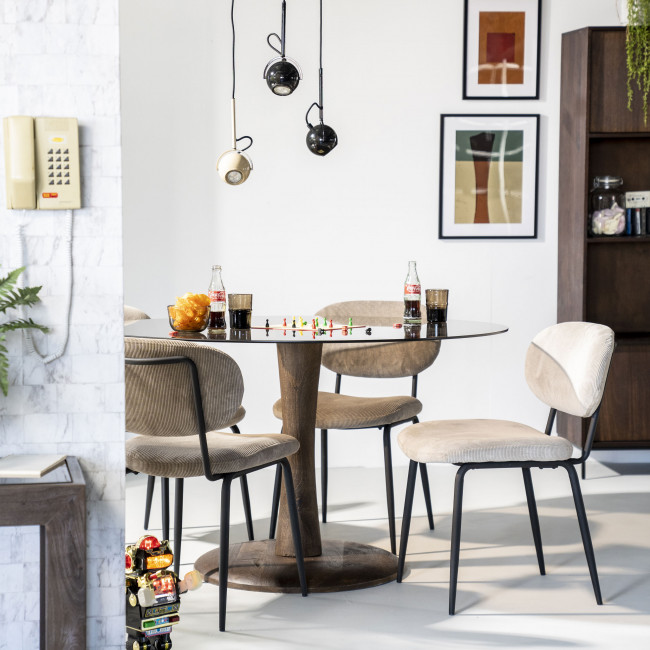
[{"x": 42, "y": 163}]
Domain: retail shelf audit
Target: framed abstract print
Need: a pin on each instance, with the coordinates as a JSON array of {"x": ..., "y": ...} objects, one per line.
[
  {"x": 501, "y": 49},
  {"x": 488, "y": 176}
]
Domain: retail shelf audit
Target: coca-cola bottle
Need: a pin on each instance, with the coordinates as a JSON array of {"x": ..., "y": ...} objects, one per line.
[
  {"x": 412, "y": 291},
  {"x": 217, "y": 294}
]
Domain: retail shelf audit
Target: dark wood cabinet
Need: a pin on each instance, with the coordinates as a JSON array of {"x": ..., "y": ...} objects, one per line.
[{"x": 604, "y": 279}]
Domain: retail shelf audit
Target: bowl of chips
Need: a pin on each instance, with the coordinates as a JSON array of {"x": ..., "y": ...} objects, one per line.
[{"x": 190, "y": 313}]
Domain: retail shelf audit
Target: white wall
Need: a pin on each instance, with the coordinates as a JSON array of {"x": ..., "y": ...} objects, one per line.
[
  {"x": 305, "y": 231},
  {"x": 60, "y": 58}
]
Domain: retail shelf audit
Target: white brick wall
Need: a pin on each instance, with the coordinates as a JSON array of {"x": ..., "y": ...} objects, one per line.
[{"x": 61, "y": 58}]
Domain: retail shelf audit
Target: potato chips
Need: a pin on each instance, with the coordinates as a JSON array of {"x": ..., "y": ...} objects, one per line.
[{"x": 190, "y": 312}]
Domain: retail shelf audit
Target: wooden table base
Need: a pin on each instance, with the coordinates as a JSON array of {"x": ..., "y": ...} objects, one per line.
[{"x": 343, "y": 566}]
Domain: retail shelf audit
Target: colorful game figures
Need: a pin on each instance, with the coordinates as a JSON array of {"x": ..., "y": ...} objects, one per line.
[{"x": 152, "y": 594}]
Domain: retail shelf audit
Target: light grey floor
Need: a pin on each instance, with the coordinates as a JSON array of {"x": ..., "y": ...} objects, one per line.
[{"x": 502, "y": 601}]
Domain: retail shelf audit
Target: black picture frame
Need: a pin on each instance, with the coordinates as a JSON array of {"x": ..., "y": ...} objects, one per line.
[
  {"x": 476, "y": 205},
  {"x": 519, "y": 45}
]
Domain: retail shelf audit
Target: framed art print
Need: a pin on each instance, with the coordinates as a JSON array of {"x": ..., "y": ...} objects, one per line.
[
  {"x": 501, "y": 53},
  {"x": 488, "y": 176}
]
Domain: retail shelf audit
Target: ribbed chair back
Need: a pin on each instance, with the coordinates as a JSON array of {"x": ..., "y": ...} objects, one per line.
[
  {"x": 159, "y": 399},
  {"x": 567, "y": 364},
  {"x": 403, "y": 359},
  {"x": 133, "y": 314}
]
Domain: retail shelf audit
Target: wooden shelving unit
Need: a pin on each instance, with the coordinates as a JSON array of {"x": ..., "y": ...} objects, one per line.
[{"x": 604, "y": 279}]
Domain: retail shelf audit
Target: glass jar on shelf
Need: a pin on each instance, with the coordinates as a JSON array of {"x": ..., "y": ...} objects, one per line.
[{"x": 607, "y": 207}]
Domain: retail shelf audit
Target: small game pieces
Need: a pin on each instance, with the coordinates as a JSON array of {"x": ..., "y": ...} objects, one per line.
[
  {"x": 313, "y": 324},
  {"x": 331, "y": 323},
  {"x": 284, "y": 322},
  {"x": 293, "y": 324},
  {"x": 350, "y": 322},
  {"x": 267, "y": 323},
  {"x": 369, "y": 331},
  {"x": 397, "y": 325}
]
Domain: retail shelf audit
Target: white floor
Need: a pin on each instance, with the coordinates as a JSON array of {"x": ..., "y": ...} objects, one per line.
[{"x": 502, "y": 600}]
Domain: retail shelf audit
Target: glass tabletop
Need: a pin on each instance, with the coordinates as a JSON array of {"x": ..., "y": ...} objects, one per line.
[{"x": 158, "y": 328}]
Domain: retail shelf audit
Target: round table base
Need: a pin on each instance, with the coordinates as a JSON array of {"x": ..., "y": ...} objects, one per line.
[{"x": 343, "y": 566}]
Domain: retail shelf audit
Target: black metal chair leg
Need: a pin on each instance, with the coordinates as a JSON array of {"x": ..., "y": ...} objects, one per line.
[
  {"x": 178, "y": 523},
  {"x": 390, "y": 492},
  {"x": 534, "y": 519},
  {"x": 323, "y": 474},
  {"x": 295, "y": 524},
  {"x": 275, "y": 505},
  {"x": 584, "y": 529},
  {"x": 583, "y": 471},
  {"x": 247, "y": 508},
  {"x": 164, "y": 494},
  {"x": 424, "y": 475},
  {"x": 455, "y": 537},
  {"x": 406, "y": 518},
  {"x": 245, "y": 498},
  {"x": 224, "y": 541},
  {"x": 151, "y": 483}
]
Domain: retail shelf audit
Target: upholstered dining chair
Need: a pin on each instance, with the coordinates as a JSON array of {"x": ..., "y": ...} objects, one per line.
[
  {"x": 566, "y": 368},
  {"x": 132, "y": 315},
  {"x": 177, "y": 395},
  {"x": 370, "y": 360}
]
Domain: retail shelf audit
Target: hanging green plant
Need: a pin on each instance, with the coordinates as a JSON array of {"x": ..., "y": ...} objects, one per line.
[
  {"x": 637, "y": 47},
  {"x": 12, "y": 298}
]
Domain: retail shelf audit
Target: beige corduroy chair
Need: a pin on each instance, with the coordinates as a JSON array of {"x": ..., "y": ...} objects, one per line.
[
  {"x": 566, "y": 368},
  {"x": 178, "y": 394},
  {"x": 370, "y": 360},
  {"x": 133, "y": 315}
]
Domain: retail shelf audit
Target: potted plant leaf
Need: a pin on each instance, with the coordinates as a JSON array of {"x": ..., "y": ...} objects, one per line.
[
  {"x": 637, "y": 47},
  {"x": 12, "y": 297}
]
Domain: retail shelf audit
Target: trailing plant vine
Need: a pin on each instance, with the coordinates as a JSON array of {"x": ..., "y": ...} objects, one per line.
[
  {"x": 637, "y": 48},
  {"x": 12, "y": 298}
]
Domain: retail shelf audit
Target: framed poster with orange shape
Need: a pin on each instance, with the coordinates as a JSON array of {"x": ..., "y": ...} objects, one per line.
[
  {"x": 488, "y": 176},
  {"x": 502, "y": 49}
]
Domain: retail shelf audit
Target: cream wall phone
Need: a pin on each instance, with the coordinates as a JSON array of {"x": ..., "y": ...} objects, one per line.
[
  {"x": 42, "y": 173},
  {"x": 42, "y": 163}
]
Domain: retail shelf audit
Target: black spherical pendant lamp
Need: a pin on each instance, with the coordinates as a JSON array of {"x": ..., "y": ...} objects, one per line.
[
  {"x": 321, "y": 139},
  {"x": 281, "y": 73}
]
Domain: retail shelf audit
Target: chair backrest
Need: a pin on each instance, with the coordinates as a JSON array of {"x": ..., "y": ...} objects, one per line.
[
  {"x": 133, "y": 314},
  {"x": 375, "y": 359},
  {"x": 567, "y": 365},
  {"x": 159, "y": 398}
]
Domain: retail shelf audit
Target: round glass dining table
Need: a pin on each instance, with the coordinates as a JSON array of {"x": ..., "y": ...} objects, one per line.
[{"x": 331, "y": 565}]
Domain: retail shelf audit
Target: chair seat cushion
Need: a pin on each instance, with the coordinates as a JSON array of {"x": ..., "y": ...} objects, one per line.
[
  {"x": 480, "y": 441},
  {"x": 180, "y": 456},
  {"x": 334, "y": 411}
]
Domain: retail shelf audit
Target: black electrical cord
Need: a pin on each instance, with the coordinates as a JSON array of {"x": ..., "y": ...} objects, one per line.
[
  {"x": 318, "y": 104},
  {"x": 232, "y": 22}
]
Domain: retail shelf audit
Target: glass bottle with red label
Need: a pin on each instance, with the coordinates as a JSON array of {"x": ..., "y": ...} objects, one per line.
[
  {"x": 412, "y": 293},
  {"x": 217, "y": 294}
]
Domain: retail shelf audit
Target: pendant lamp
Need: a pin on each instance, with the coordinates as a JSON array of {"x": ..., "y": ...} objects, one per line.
[
  {"x": 321, "y": 139},
  {"x": 281, "y": 73},
  {"x": 234, "y": 166}
]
